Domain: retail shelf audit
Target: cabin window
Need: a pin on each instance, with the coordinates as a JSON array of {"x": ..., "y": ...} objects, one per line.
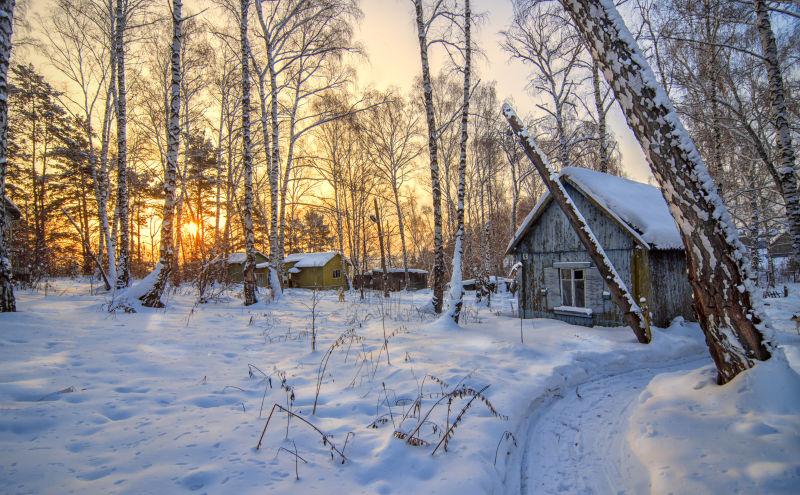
[
  {"x": 573, "y": 287},
  {"x": 337, "y": 273}
]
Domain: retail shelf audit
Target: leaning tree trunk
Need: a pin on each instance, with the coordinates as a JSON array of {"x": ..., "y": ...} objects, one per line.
[
  {"x": 631, "y": 313},
  {"x": 780, "y": 119},
  {"x": 724, "y": 297},
  {"x": 7, "y": 301},
  {"x": 153, "y": 297},
  {"x": 436, "y": 188},
  {"x": 249, "y": 235},
  {"x": 456, "y": 285},
  {"x": 124, "y": 272}
]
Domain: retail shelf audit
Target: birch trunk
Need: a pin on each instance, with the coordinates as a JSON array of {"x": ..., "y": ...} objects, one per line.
[
  {"x": 456, "y": 285},
  {"x": 780, "y": 119},
  {"x": 105, "y": 185},
  {"x": 153, "y": 297},
  {"x": 631, "y": 313},
  {"x": 379, "y": 226},
  {"x": 724, "y": 297},
  {"x": 124, "y": 272},
  {"x": 247, "y": 159},
  {"x": 7, "y": 301},
  {"x": 427, "y": 89},
  {"x": 602, "y": 137}
]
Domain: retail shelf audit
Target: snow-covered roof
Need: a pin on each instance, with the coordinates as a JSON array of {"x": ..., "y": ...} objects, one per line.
[
  {"x": 310, "y": 260},
  {"x": 638, "y": 207},
  {"x": 239, "y": 257}
]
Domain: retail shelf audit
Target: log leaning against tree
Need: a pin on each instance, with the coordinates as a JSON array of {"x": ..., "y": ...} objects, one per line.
[{"x": 631, "y": 312}]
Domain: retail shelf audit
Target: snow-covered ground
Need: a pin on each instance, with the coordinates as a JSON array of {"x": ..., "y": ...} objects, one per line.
[{"x": 175, "y": 400}]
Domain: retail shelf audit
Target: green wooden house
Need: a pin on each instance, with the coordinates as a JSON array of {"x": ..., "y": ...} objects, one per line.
[
  {"x": 326, "y": 270},
  {"x": 235, "y": 268}
]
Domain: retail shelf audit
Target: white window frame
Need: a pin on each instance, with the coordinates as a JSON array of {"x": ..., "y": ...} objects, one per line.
[{"x": 571, "y": 281}]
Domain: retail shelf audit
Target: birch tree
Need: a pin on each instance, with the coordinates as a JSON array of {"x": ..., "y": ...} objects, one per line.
[
  {"x": 124, "y": 262},
  {"x": 7, "y": 301},
  {"x": 787, "y": 172},
  {"x": 724, "y": 297},
  {"x": 247, "y": 214},
  {"x": 423, "y": 28},
  {"x": 456, "y": 286},
  {"x": 167, "y": 256}
]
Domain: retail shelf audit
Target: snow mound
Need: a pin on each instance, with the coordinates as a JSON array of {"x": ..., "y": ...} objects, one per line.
[{"x": 693, "y": 436}]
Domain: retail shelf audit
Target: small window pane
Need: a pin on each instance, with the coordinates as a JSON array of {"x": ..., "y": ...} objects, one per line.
[
  {"x": 580, "y": 294},
  {"x": 578, "y": 274}
]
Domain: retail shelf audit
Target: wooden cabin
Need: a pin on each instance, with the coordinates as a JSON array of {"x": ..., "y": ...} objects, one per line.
[
  {"x": 395, "y": 277},
  {"x": 11, "y": 212},
  {"x": 315, "y": 270},
  {"x": 235, "y": 268},
  {"x": 631, "y": 220}
]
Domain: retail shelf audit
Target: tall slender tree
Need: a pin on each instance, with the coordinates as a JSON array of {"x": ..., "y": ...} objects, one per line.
[
  {"x": 456, "y": 286},
  {"x": 7, "y": 301},
  {"x": 124, "y": 262},
  {"x": 167, "y": 256},
  {"x": 423, "y": 26},
  {"x": 247, "y": 214},
  {"x": 786, "y": 168}
]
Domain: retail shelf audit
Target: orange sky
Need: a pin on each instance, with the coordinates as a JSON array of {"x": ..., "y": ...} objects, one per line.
[{"x": 388, "y": 33}]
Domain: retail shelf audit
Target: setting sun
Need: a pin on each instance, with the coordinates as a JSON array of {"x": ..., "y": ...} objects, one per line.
[{"x": 191, "y": 228}]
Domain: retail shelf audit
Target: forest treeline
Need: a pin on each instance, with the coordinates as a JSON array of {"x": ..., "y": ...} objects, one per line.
[{"x": 322, "y": 148}]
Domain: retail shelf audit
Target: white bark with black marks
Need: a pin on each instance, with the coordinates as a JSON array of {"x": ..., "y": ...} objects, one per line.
[
  {"x": 247, "y": 164},
  {"x": 7, "y": 301},
  {"x": 153, "y": 298}
]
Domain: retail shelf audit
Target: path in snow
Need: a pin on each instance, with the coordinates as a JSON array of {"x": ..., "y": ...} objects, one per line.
[{"x": 576, "y": 442}]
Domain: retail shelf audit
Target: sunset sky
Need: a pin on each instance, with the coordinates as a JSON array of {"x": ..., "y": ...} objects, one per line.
[{"x": 388, "y": 33}]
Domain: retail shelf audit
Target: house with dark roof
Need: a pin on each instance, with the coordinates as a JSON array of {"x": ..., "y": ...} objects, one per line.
[{"x": 631, "y": 220}]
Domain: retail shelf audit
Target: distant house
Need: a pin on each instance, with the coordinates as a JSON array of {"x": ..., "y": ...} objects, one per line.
[
  {"x": 494, "y": 283},
  {"x": 235, "y": 268},
  {"x": 315, "y": 270},
  {"x": 396, "y": 279},
  {"x": 557, "y": 278},
  {"x": 12, "y": 213}
]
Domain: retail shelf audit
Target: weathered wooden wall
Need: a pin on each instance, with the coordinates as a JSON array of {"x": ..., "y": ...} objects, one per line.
[
  {"x": 670, "y": 287},
  {"x": 659, "y": 276}
]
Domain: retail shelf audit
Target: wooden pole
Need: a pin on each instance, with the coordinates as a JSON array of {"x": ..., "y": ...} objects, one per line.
[{"x": 631, "y": 313}]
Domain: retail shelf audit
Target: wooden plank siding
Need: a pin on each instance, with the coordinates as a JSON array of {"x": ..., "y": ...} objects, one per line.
[{"x": 551, "y": 240}]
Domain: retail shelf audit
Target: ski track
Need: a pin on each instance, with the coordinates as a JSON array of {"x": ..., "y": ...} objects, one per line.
[{"x": 575, "y": 441}]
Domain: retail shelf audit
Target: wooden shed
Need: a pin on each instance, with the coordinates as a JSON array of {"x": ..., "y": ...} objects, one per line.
[
  {"x": 235, "y": 268},
  {"x": 315, "y": 270},
  {"x": 396, "y": 279},
  {"x": 557, "y": 278}
]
